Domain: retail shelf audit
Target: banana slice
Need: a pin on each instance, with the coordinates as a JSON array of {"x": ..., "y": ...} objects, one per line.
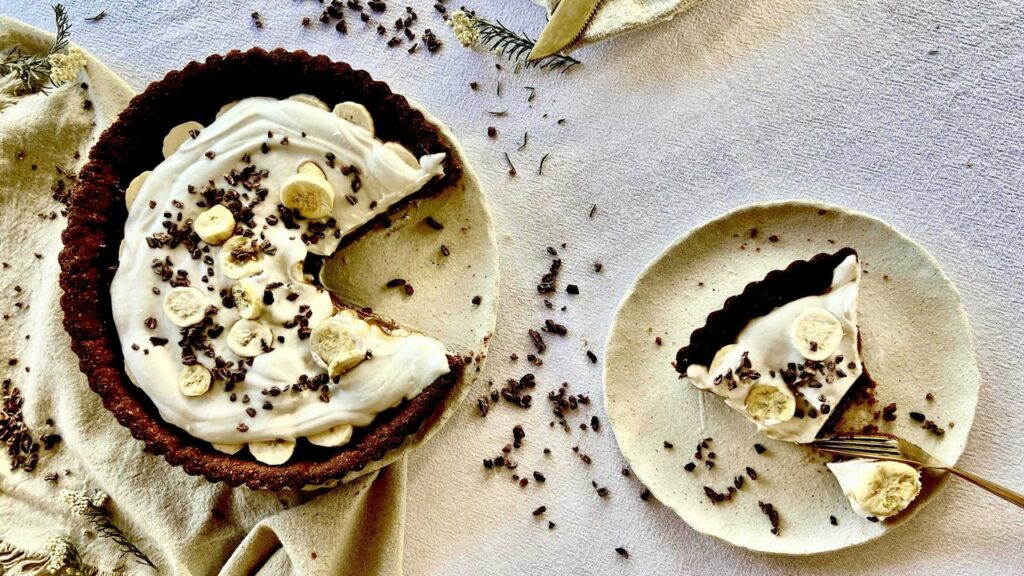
[
  {"x": 194, "y": 380},
  {"x": 311, "y": 100},
  {"x": 228, "y": 448},
  {"x": 355, "y": 113},
  {"x": 215, "y": 225},
  {"x": 336, "y": 346},
  {"x": 767, "y": 402},
  {"x": 239, "y": 260},
  {"x": 272, "y": 452},
  {"x": 334, "y": 436},
  {"x": 309, "y": 192},
  {"x": 816, "y": 334},
  {"x": 220, "y": 113},
  {"x": 133, "y": 188},
  {"x": 248, "y": 299},
  {"x": 248, "y": 338},
  {"x": 720, "y": 357},
  {"x": 403, "y": 153},
  {"x": 886, "y": 488},
  {"x": 185, "y": 305},
  {"x": 177, "y": 136}
]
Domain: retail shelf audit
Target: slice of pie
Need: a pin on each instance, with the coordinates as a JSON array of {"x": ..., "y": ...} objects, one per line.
[
  {"x": 237, "y": 364},
  {"x": 785, "y": 353}
]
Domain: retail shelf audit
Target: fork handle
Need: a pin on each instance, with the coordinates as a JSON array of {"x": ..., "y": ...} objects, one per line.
[{"x": 1001, "y": 491}]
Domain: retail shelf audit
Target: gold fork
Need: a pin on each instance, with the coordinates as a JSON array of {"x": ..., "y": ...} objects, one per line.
[{"x": 900, "y": 450}]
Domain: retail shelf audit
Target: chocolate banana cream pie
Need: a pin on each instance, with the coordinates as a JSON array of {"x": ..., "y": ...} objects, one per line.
[
  {"x": 786, "y": 353},
  {"x": 203, "y": 324}
]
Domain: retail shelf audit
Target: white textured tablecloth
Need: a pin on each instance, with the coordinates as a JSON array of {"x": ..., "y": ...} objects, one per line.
[{"x": 910, "y": 110}]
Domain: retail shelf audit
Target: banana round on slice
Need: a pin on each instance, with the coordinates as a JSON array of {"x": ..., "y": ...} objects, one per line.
[
  {"x": 133, "y": 188},
  {"x": 220, "y": 113},
  {"x": 309, "y": 192},
  {"x": 248, "y": 338},
  {"x": 248, "y": 299},
  {"x": 768, "y": 402},
  {"x": 311, "y": 100},
  {"x": 355, "y": 113},
  {"x": 272, "y": 452},
  {"x": 403, "y": 153},
  {"x": 886, "y": 488},
  {"x": 215, "y": 225},
  {"x": 185, "y": 305},
  {"x": 720, "y": 357},
  {"x": 816, "y": 334},
  {"x": 227, "y": 448},
  {"x": 177, "y": 136},
  {"x": 334, "y": 436},
  {"x": 335, "y": 345},
  {"x": 239, "y": 259},
  {"x": 194, "y": 380}
]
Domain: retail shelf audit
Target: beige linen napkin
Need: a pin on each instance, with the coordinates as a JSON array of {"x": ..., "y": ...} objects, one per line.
[{"x": 185, "y": 524}]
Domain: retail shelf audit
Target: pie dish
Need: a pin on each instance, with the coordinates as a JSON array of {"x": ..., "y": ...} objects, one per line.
[
  {"x": 113, "y": 315},
  {"x": 907, "y": 310}
]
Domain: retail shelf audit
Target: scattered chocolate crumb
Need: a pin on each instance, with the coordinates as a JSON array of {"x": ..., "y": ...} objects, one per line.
[
  {"x": 572, "y": 289},
  {"x": 429, "y": 220},
  {"x": 592, "y": 356},
  {"x": 668, "y": 445},
  {"x": 622, "y": 552},
  {"x": 476, "y": 300},
  {"x": 540, "y": 510},
  {"x": 929, "y": 397},
  {"x": 772, "y": 514},
  {"x": 833, "y": 521},
  {"x": 690, "y": 466},
  {"x": 645, "y": 494},
  {"x": 759, "y": 448},
  {"x": 751, "y": 473},
  {"x": 917, "y": 416},
  {"x": 889, "y": 412}
]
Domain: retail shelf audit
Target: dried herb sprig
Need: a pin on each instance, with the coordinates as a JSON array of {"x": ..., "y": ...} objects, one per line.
[
  {"x": 472, "y": 30},
  {"x": 499, "y": 39},
  {"x": 91, "y": 507},
  {"x": 35, "y": 71}
]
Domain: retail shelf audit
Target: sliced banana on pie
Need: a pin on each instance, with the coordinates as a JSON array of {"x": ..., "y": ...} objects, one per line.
[
  {"x": 272, "y": 452},
  {"x": 240, "y": 258},
  {"x": 766, "y": 402},
  {"x": 178, "y": 135},
  {"x": 334, "y": 436},
  {"x": 214, "y": 225},
  {"x": 248, "y": 298},
  {"x": 185, "y": 305},
  {"x": 337, "y": 344},
  {"x": 227, "y": 448},
  {"x": 249, "y": 338},
  {"x": 194, "y": 380},
  {"x": 355, "y": 113},
  {"x": 134, "y": 186},
  {"x": 816, "y": 334},
  {"x": 311, "y": 100},
  {"x": 403, "y": 154},
  {"x": 309, "y": 192}
]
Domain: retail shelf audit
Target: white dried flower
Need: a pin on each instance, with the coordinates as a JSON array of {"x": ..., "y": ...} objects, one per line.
[
  {"x": 62, "y": 557},
  {"x": 77, "y": 501},
  {"x": 99, "y": 499},
  {"x": 464, "y": 27},
  {"x": 65, "y": 67}
]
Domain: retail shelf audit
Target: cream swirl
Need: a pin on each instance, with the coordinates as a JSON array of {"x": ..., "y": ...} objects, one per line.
[{"x": 276, "y": 137}]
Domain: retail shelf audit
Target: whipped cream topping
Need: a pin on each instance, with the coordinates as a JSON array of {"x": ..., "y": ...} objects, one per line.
[
  {"x": 767, "y": 376},
  {"x": 875, "y": 488},
  {"x": 281, "y": 392}
]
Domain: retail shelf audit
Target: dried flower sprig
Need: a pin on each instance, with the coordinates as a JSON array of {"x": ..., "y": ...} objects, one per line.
[
  {"x": 91, "y": 507},
  {"x": 472, "y": 30},
  {"x": 62, "y": 557},
  {"x": 38, "y": 72}
]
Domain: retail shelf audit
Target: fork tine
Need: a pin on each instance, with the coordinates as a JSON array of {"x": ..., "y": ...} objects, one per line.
[
  {"x": 863, "y": 438},
  {"x": 862, "y": 454},
  {"x": 857, "y": 449},
  {"x": 858, "y": 443}
]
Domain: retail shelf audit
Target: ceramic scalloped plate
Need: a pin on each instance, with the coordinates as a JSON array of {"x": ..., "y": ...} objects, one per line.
[
  {"x": 916, "y": 339},
  {"x": 442, "y": 306}
]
